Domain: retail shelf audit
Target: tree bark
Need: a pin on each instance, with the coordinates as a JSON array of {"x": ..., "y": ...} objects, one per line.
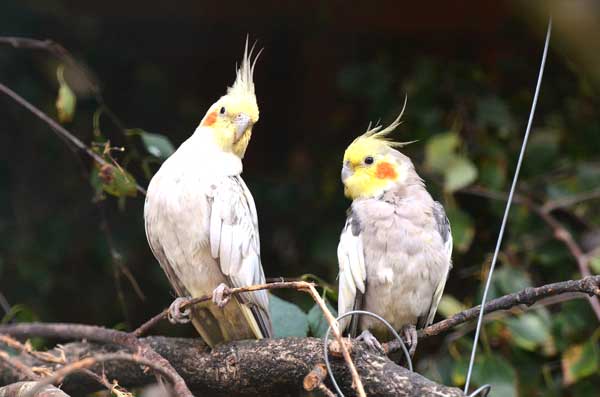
[
  {"x": 267, "y": 367},
  {"x": 23, "y": 389}
]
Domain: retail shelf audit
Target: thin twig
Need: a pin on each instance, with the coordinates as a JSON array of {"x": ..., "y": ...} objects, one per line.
[
  {"x": 297, "y": 285},
  {"x": 559, "y": 232},
  {"x": 100, "y": 334},
  {"x": 19, "y": 366},
  {"x": 571, "y": 200},
  {"x": 59, "y": 130},
  {"x": 562, "y": 234},
  {"x": 90, "y": 361}
]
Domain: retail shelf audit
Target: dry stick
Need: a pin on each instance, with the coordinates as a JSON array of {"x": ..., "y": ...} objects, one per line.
[
  {"x": 99, "y": 334},
  {"x": 297, "y": 285},
  {"x": 59, "y": 130},
  {"x": 87, "y": 362},
  {"x": 588, "y": 285},
  {"x": 19, "y": 366}
]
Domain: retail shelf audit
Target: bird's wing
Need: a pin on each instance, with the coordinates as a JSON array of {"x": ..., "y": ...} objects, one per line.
[
  {"x": 443, "y": 227},
  {"x": 235, "y": 242},
  {"x": 353, "y": 273}
]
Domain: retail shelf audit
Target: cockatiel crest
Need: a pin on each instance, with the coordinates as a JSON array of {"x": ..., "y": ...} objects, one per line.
[
  {"x": 232, "y": 117},
  {"x": 372, "y": 164}
]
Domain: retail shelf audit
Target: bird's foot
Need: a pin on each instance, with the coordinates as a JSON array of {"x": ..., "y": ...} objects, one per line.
[
  {"x": 409, "y": 332},
  {"x": 176, "y": 315},
  {"x": 370, "y": 341},
  {"x": 221, "y": 295}
]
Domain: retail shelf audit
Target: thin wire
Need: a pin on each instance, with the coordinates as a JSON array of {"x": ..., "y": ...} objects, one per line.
[
  {"x": 367, "y": 313},
  {"x": 483, "y": 391},
  {"x": 508, "y": 204}
]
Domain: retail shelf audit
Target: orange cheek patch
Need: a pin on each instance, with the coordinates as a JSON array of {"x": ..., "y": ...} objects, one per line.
[
  {"x": 385, "y": 171},
  {"x": 210, "y": 119}
]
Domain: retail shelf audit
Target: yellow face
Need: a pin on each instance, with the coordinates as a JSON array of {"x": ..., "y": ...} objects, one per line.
[
  {"x": 231, "y": 120},
  {"x": 369, "y": 169}
]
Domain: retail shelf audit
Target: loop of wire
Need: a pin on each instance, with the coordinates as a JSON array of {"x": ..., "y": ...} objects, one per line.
[
  {"x": 370, "y": 314},
  {"x": 482, "y": 391},
  {"x": 508, "y": 205}
]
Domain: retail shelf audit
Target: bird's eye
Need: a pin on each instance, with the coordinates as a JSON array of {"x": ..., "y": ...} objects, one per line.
[
  {"x": 369, "y": 160},
  {"x": 222, "y": 111}
]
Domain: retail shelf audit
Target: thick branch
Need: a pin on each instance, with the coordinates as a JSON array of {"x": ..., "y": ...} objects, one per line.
[
  {"x": 267, "y": 367},
  {"x": 24, "y": 389}
]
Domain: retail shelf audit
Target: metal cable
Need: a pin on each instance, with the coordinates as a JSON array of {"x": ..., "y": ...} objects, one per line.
[
  {"x": 508, "y": 204},
  {"x": 367, "y": 313}
]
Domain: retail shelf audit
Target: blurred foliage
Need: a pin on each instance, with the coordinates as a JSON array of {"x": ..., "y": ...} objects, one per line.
[{"x": 468, "y": 103}]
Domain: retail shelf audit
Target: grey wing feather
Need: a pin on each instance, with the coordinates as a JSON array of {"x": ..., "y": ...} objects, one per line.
[
  {"x": 443, "y": 227},
  {"x": 235, "y": 241},
  {"x": 352, "y": 271}
]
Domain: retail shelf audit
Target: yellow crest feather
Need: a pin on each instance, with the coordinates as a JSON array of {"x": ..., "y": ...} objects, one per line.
[
  {"x": 379, "y": 134},
  {"x": 244, "y": 84}
]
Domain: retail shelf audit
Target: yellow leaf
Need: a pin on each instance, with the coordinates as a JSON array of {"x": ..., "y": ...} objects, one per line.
[{"x": 66, "y": 100}]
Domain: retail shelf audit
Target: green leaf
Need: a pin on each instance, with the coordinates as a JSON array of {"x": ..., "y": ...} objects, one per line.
[
  {"x": 66, "y": 100},
  {"x": 529, "y": 331},
  {"x": 491, "y": 369},
  {"x": 595, "y": 264},
  {"x": 287, "y": 318},
  {"x": 157, "y": 145},
  {"x": 449, "y": 306},
  {"x": 510, "y": 279},
  {"x": 460, "y": 172},
  {"x": 316, "y": 320},
  {"x": 463, "y": 230},
  {"x": 580, "y": 361},
  {"x": 439, "y": 151},
  {"x": 114, "y": 181}
]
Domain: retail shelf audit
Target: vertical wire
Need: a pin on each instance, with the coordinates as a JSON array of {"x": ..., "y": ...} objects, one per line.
[{"x": 508, "y": 205}]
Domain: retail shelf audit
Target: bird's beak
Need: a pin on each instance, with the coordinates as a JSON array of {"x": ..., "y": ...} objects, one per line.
[
  {"x": 346, "y": 172},
  {"x": 242, "y": 121}
]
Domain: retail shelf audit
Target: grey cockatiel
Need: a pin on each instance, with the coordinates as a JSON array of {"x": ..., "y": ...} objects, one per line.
[
  {"x": 201, "y": 220},
  {"x": 395, "y": 249}
]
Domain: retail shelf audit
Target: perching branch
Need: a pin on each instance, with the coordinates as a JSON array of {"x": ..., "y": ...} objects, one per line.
[
  {"x": 589, "y": 285},
  {"x": 266, "y": 367},
  {"x": 297, "y": 285}
]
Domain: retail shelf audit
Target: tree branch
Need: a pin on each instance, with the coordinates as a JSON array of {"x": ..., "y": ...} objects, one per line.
[
  {"x": 589, "y": 285},
  {"x": 267, "y": 367},
  {"x": 99, "y": 334},
  {"x": 59, "y": 130},
  {"x": 23, "y": 389}
]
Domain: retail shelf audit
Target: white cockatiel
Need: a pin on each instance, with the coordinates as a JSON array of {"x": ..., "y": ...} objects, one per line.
[
  {"x": 395, "y": 249},
  {"x": 201, "y": 220}
]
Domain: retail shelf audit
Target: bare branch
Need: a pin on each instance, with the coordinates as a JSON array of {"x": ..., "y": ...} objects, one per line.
[
  {"x": 297, "y": 285},
  {"x": 266, "y": 367},
  {"x": 59, "y": 130},
  {"x": 589, "y": 285},
  {"x": 99, "y": 334}
]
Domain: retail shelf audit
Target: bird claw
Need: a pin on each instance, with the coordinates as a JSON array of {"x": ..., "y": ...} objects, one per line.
[
  {"x": 221, "y": 295},
  {"x": 371, "y": 341},
  {"x": 176, "y": 315},
  {"x": 409, "y": 332}
]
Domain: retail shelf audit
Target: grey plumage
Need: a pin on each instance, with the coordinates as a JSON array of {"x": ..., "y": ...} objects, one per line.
[{"x": 394, "y": 255}]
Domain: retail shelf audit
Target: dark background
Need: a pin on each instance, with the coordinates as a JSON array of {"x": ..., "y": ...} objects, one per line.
[{"x": 327, "y": 69}]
